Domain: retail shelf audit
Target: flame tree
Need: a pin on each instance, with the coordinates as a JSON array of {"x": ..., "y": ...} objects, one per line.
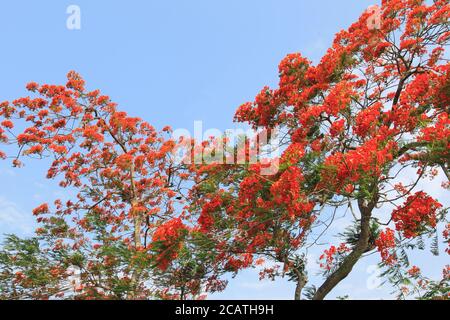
[
  {"x": 121, "y": 232},
  {"x": 141, "y": 225},
  {"x": 375, "y": 107}
]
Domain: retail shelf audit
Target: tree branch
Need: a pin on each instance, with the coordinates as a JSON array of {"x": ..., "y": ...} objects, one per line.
[{"x": 347, "y": 265}]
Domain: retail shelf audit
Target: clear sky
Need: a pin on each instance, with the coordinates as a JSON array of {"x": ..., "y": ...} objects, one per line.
[{"x": 169, "y": 62}]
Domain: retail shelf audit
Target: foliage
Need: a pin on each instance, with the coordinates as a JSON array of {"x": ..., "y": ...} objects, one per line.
[{"x": 360, "y": 130}]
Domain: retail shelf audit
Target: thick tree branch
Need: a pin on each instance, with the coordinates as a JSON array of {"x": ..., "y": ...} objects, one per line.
[
  {"x": 301, "y": 282},
  {"x": 347, "y": 265}
]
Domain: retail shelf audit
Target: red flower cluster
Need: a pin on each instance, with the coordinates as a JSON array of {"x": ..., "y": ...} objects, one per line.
[
  {"x": 367, "y": 160},
  {"x": 293, "y": 154},
  {"x": 341, "y": 121},
  {"x": 414, "y": 271},
  {"x": 446, "y": 272},
  {"x": 439, "y": 132},
  {"x": 241, "y": 262},
  {"x": 367, "y": 120},
  {"x": 206, "y": 219},
  {"x": 42, "y": 209},
  {"x": 386, "y": 245},
  {"x": 416, "y": 214},
  {"x": 287, "y": 192},
  {"x": 7, "y": 124},
  {"x": 337, "y": 127},
  {"x": 168, "y": 240},
  {"x": 438, "y": 135},
  {"x": 330, "y": 255},
  {"x": 446, "y": 234}
]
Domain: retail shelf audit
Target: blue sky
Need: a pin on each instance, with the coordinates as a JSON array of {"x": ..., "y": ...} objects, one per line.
[{"x": 169, "y": 62}]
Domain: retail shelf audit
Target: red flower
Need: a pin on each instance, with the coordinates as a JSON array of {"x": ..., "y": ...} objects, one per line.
[
  {"x": 91, "y": 132},
  {"x": 168, "y": 236},
  {"x": 349, "y": 188},
  {"x": 43, "y": 208},
  {"x": 446, "y": 234},
  {"x": 417, "y": 213},
  {"x": 414, "y": 271},
  {"x": 37, "y": 149},
  {"x": 206, "y": 220},
  {"x": 32, "y": 86},
  {"x": 7, "y": 124},
  {"x": 331, "y": 254},
  {"x": 287, "y": 191},
  {"x": 293, "y": 154},
  {"x": 337, "y": 127},
  {"x": 366, "y": 120},
  {"x": 385, "y": 244}
]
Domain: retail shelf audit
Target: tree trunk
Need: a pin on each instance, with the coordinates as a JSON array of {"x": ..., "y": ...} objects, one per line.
[
  {"x": 138, "y": 244},
  {"x": 347, "y": 265},
  {"x": 447, "y": 174},
  {"x": 298, "y": 289}
]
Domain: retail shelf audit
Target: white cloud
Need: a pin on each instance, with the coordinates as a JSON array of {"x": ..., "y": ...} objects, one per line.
[
  {"x": 40, "y": 185},
  {"x": 7, "y": 172},
  {"x": 255, "y": 285},
  {"x": 13, "y": 219}
]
